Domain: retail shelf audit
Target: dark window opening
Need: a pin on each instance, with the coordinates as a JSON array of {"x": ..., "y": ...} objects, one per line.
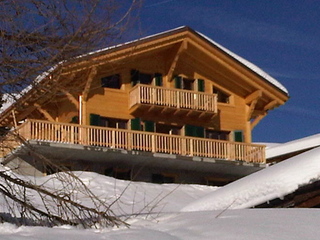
[
  {"x": 221, "y": 96},
  {"x": 188, "y": 84},
  {"x": 113, "y": 123},
  {"x": 162, "y": 178},
  {"x": 219, "y": 135},
  {"x": 119, "y": 173},
  {"x": 168, "y": 129},
  {"x": 112, "y": 81},
  {"x": 146, "y": 78}
]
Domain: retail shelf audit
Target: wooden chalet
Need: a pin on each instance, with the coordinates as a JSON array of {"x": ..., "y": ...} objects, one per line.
[{"x": 172, "y": 107}]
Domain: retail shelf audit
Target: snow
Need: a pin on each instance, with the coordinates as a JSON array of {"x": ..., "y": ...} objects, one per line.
[
  {"x": 195, "y": 212},
  {"x": 293, "y": 146},
  {"x": 270, "y": 183},
  {"x": 248, "y": 64}
]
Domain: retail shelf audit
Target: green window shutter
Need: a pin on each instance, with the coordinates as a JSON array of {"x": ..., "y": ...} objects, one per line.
[
  {"x": 158, "y": 79},
  {"x": 201, "y": 85},
  {"x": 135, "y": 79},
  {"x": 177, "y": 82},
  {"x": 238, "y": 136},
  {"x": 189, "y": 130},
  {"x": 135, "y": 124},
  {"x": 94, "y": 119},
  {"x": 194, "y": 131},
  {"x": 149, "y": 126},
  {"x": 199, "y": 132}
]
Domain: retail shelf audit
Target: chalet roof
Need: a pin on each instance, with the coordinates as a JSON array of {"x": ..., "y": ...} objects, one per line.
[
  {"x": 236, "y": 57},
  {"x": 246, "y": 64}
]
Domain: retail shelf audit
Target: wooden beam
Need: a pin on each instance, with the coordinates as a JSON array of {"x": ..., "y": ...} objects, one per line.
[
  {"x": 251, "y": 109},
  {"x": 270, "y": 105},
  {"x": 183, "y": 47},
  {"x": 70, "y": 97},
  {"x": 86, "y": 89},
  {"x": 257, "y": 120},
  {"x": 253, "y": 96},
  {"x": 44, "y": 112}
]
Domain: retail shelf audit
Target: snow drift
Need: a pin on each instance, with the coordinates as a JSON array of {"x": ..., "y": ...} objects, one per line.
[{"x": 271, "y": 183}]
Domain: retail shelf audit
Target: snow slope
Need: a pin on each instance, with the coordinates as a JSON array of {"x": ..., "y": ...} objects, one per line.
[
  {"x": 266, "y": 224},
  {"x": 193, "y": 212},
  {"x": 270, "y": 183}
]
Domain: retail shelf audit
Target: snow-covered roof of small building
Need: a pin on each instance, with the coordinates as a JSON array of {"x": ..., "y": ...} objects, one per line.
[
  {"x": 293, "y": 146},
  {"x": 265, "y": 185}
]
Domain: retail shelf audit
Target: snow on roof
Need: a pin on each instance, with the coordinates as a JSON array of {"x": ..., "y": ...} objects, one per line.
[
  {"x": 250, "y": 65},
  {"x": 293, "y": 146},
  {"x": 270, "y": 183}
]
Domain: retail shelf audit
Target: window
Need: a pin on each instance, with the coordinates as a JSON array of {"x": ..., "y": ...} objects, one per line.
[
  {"x": 219, "y": 135},
  {"x": 168, "y": 129},
  {"x": 163, "y": 178},
  {"x": 113, "y": 123},
  {"x": 221, "y": 96},
  {"x": 184, "y": 83},
  {"x": 188, "y": 84},
  {"x": 112, "y": 81},
  {"x": 119, "y": 173},
  {"x": 145, "y": 78}
]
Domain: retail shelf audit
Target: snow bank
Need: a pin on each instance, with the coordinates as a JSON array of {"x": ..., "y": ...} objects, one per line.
[{"x": 273, "y": 182}]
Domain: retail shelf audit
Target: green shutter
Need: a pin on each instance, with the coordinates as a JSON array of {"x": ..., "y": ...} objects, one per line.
[
  {"x": 199, "y": 132},
  {"x": 201, "y": 85},
  {"x": 94, "y": 119},
  {"x": 189, "y": 130},
  {"x": 238, "y": 136},
  {"x": 135, "y": 124},
  {"x": 178, "y": 82},
  {"x": 149, "y": 126},
  {"x": 134, "y": 77},
  {"x": 158, "y": 79},
  {"x": 194, "y": 131}
]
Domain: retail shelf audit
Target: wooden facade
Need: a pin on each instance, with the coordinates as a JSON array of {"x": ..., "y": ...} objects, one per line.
[{"x": 168, "y": 92}]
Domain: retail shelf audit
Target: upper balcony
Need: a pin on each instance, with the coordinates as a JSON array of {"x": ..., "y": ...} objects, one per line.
[{"x": 172, "y": 101}]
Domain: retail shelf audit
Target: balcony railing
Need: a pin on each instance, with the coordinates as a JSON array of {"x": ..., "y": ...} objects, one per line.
[
  {"x": 141, "y": 141},
  {"x": 173, "y": 98}
]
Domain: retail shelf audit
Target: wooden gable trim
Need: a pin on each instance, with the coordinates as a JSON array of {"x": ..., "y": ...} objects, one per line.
[
  {"x": 253, "y": 96},
  {"x": 257, "y": 120},
  {"x": 44, "y": 112},
  {"x": 86, "y": 89},
  {"x": 271, "y": 105},
  {"x": 72, "y": 99},
  {"x": 182, "y": 48},
  {"x": 239, "y": 71},
  {"x": 252, "y": 99}
]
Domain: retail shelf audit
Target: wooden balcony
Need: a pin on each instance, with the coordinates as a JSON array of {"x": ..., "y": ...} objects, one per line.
[
  {"x": 172, "y": 101},
  {"x": 140, "y": 141}
]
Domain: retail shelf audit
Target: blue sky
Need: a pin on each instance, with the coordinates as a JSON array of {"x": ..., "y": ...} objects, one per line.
[{"x": 281, "y": 37}]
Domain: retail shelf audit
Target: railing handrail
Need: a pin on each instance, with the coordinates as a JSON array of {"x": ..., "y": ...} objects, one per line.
[
  {"x": 149, "y": 141},
  {"x": 173, "y": 97},
  {"x": 171, "y": 89}
]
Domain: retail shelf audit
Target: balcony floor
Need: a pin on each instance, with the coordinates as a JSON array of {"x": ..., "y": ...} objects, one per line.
[
  {"x": 71, "y": 153},
  {"x": 140, "y": 109}
]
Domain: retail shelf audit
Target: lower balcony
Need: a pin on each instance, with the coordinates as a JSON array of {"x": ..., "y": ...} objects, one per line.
[
  {"x": 140, "y": 141},
  {"x": 172, "y": 101}
]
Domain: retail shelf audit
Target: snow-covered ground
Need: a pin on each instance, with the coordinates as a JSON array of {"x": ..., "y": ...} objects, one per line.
[{"x": 172, "y": 211}]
